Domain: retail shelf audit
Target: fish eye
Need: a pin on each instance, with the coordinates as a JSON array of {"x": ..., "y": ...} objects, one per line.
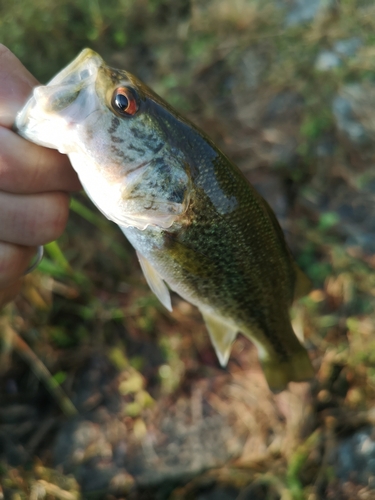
[{"x": 124, "y": 101}]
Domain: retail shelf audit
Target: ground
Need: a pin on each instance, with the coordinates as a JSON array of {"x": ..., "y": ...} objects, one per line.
[{"x": 104, "y": 394}]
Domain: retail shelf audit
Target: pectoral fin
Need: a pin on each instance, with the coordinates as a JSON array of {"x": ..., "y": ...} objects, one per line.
[
  {"x": 155, "y": 282},
  {"x": 222, "y": 336}
]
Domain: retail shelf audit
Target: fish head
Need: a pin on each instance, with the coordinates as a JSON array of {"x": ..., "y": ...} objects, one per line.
[{"x": 116, "y": 132}]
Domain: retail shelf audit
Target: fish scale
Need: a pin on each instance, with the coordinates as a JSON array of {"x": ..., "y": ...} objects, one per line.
[{"x": 196, "y": 223}]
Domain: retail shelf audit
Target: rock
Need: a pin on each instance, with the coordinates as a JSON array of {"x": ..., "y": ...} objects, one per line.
[
  {"x": 343, "y": 108},
  {"x": 356, "y": 457},
  {"x": 325, "y": 146},
  {"x": 95, "y": 453},
  {"x": 327, "y": 60},
  {"x": 251, "y": 68},
  {"x": 353, "y": 207},
  {"x": 272, "y": 188},
  {"x": 301, "y": 11},
  {"x": 281, "y": 106},
  {"x": 183, "y": 450},
  {"x": 345, "y": 120},
  {"x": 271, "y": 122},
  {"x": 348, "y": 47},
  {"x": 97, "y": 446},
  {"x": 330, "y": 59}
]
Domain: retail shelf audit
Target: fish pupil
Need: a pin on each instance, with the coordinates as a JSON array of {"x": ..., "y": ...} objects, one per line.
[{"x": 122, "y": 102}]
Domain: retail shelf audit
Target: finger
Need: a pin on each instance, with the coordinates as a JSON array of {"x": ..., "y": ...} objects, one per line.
[
  {"x": 31, "y": 220},
  {"x": 16, "y": 84},
  {"x": 14, "y": 261},
  {"x": 28, "y": 168}
]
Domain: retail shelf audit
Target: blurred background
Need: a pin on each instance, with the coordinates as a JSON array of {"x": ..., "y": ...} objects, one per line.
[{"x": 105, "y": 394}]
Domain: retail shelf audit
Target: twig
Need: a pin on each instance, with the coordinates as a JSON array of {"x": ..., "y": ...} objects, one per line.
[
  {"x": 42, "y": 488},
  {"x": 43, "y": 429},
  {"x": 42, "y": 373}
]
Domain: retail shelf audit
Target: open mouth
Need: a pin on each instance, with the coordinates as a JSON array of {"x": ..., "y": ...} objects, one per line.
[
  {"x": 66, "y": 101},
  {"x": 64, "y": 89},
  {"x": 83, "y": 67}
]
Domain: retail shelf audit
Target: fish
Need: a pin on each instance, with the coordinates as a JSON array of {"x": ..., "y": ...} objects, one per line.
[{"x": 198, "y": 226}]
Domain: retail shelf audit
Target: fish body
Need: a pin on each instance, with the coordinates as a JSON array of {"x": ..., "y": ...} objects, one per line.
[{"x": 194, "y": 220}]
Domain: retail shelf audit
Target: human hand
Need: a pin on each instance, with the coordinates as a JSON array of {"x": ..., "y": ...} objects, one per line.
[{"x": 34, "y": 183}]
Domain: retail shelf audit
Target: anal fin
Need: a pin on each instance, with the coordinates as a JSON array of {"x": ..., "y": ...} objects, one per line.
[
  {"x": 155, "y": 282},
  {"x": 222, "y": 335}
]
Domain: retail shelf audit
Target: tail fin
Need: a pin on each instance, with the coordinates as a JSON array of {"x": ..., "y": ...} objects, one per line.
[{"x": 278, "y": 373}]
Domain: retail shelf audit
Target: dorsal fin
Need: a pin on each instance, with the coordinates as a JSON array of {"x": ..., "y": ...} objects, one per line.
[
  {"x": 155, "y": 282},
  {"x": 302, "y": 285}
]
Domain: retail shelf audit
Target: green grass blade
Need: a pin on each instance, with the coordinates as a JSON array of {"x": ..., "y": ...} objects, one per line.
[
  {"x": 87, "y": 214},
  {"x": 54, "y": 251}
]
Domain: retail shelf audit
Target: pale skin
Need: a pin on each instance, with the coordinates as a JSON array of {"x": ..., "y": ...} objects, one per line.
[{"x": 35, "y": 183}]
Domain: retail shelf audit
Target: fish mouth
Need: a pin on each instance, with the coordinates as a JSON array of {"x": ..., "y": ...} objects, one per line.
[
  {"x": 65, "y": 87},
  {"x": 66, "y": 101}
]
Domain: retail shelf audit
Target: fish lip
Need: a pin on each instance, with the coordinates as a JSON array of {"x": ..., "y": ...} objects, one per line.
[{"x": 88, "y": 60}]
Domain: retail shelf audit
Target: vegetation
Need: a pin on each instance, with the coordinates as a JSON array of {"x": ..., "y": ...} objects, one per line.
[{"x": 87, "y": 348}]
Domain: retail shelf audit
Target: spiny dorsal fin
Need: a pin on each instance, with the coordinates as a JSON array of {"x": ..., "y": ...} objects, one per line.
[
  {"x": 155, "y": 282},
  {"x": 302, "y": 285},
  {"x": 222, "y": 335}
]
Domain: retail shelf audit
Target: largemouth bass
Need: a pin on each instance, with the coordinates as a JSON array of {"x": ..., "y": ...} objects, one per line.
[{"x": 196, "y": 223}]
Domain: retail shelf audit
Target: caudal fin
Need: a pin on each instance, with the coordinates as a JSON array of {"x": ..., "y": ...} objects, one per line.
[{"x": 297, "y": 368}]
